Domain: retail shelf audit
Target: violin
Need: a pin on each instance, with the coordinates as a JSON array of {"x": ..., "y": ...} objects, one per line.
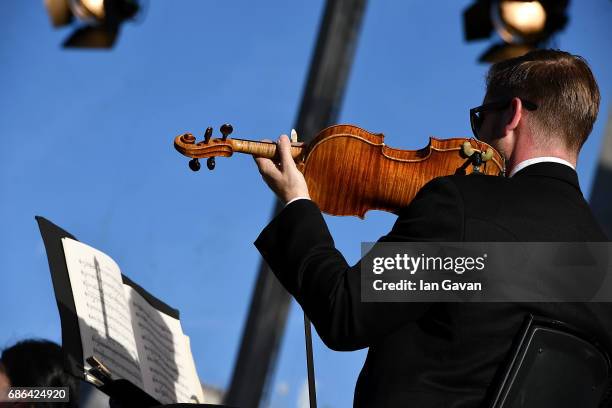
[{"x": 350, "y": 171}]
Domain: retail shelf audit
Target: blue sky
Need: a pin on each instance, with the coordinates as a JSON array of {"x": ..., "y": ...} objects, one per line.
[{"x": 87, "y": 142}]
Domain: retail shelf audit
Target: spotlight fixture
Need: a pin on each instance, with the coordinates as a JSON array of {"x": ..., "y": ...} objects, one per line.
[
  {"x": 99, "y": 20},
  {"x": 523, "y": 25}
]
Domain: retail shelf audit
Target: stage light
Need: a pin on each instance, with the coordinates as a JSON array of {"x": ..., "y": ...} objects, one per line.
[
  {"x": 89, "y": 10},
  {"x": 523, "y": 25},
  {"x": 522, "y": 19},
  {"x": 59, "y": 12},
  {"x": 99, "y": 20}
]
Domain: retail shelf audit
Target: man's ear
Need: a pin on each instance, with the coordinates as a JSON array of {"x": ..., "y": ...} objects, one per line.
[{"x": 513, "y": 115}]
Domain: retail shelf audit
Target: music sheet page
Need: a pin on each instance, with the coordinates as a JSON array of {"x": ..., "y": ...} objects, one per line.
[
  {"x": 103, "y": 310},
  {"x": 168, "y": 370}
]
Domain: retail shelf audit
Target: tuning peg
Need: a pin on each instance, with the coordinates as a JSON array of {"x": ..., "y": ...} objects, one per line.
[
  {"x": 194, "y": 164},
  {"x": 226, "y": 130},
  {"x": 210, "y": 163},
  {"x": 208, "y": 134}
]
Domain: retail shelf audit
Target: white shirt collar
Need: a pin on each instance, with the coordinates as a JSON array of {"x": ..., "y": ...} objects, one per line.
[{"x": 535, "y": 160}]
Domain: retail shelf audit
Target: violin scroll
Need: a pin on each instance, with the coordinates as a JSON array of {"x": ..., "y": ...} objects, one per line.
[
  {"x": 209, "y": 148},
  {"x": 225, "y": 146}
]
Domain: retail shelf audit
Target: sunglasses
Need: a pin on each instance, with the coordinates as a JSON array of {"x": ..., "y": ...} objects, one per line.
[{"x": 477, "y": 116}]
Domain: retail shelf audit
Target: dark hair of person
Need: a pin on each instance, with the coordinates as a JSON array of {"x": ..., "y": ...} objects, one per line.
[
  {"x": 559, "y": 83},
  {"x": 39, "y": 363}
]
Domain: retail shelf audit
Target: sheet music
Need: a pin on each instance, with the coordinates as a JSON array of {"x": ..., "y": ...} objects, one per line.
[
  {"x": 168, "y": 371},
  {"x": 103, "y": 311}
]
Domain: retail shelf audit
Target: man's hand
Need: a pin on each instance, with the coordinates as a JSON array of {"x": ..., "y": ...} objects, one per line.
[{"x": 283, "y": 178}]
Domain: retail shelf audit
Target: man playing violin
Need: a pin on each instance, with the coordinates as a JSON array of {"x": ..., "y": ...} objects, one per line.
[{"x": 537, "y": 112}]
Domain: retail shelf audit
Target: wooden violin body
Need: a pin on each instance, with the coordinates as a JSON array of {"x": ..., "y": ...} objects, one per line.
[{"x": 350, "y": 171}]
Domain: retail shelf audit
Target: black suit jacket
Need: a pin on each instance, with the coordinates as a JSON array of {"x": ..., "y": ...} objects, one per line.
[{"x": 441, "y": 354}]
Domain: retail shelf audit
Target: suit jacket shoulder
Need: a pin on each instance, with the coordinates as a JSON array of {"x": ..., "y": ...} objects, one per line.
[{"x": 542, "y": 202}]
